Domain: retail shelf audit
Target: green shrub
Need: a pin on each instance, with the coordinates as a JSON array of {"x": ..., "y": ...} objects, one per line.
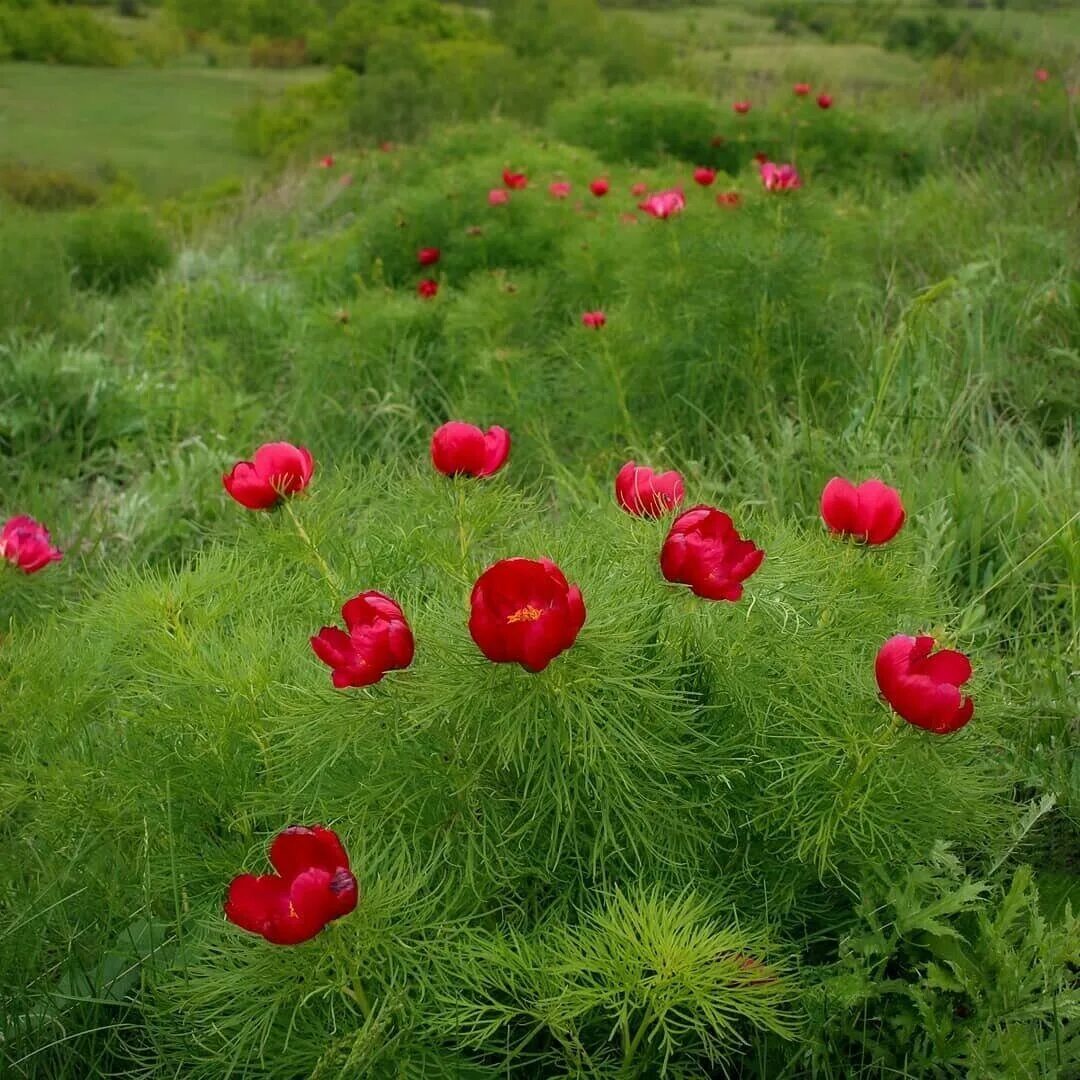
[
  {"x": 112, "y": 249},
  {"x": 45, "y": 189},
  {"x": 35, "y": 287},
  {"x": 36, "y": 30}
]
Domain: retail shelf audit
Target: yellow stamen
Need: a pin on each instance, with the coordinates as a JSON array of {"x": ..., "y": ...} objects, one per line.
[{"x": 526, "y": 614}]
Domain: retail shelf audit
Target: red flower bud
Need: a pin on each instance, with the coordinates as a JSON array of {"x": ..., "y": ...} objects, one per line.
[
  {"x": 378, "y": 640},
  {"x": 464, "y": 448},
  {"x": 741, "y": 107},
  {"x": 524, "y": 612},
  {"x": 801, "y": 89},
  {"x": 427, "y": 289},
  {"x": 515, "y": 181},
  {"x": 871, "y": 511},
  {"x": 704, "y": 176},
  {"x": 824, "y": 101},
  {"x": 704, "y": 550},
  {"x": 428, "y": 256},
  {"x": 640, "y": 491},
  {"x": 26, "y": 543},
  {"x": 278, "y": 469},
  {"x": 326, "y": 162},
  {"x": 498, "y": 197},
  {"x": 313, "y": 886},
  {"x": 593, "y": 319},
  {"x": 923, "y": 687},
  {"x": 599, "y": 187}
]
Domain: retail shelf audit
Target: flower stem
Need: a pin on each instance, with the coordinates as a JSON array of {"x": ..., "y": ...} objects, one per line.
[
  {"x": 327, "y": 573},
  {"x": 630, "y": 1047}
]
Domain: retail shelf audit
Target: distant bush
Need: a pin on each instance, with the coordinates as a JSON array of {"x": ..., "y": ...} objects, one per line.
[
  {"x": 115, "y": 248},
  {"x": 45, "y": 189},
  {"x": 34, "y": 30},
  {"x": 278, "y": 52}
]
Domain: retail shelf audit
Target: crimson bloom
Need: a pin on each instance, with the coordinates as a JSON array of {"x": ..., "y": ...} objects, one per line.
[
  {"x": 278, "y": 469},
  {"x": 313, "y": 886},
  {"x": 559, "y": 189},
  {"x": 644, "y": 493},
  {"x": 824, "y": 101},
  {"x": 639, "y": 189},
  {"x": 1041, "y": 75},
  {"x": 427, "y": 288},
  {"x": 593, "y": 319},
  {"x": 741, "y": 107},
  {"x": 463, "y": 448},
  {"x": 779, "y": 177},
  {"x": 326, "y": 162},
  {"x": 515, "y": 181},
  {"x": 498, "y": 197},
  {"x": 801, "y": 89},
  {"x": 704, "y": 176},
  {"x": 26, "y": 543},
  {"x": 428, "y": 256},
  {"x": 378, "y": 640},
  {"x": 525, "y": 612},
  {"x": 871, "y": 511},
  {"x": 664, "y": 204},
  {"x": 729, "y": 198},
  {"x": 704, "y": 550},
  {"x": 599, "y": 187},
  {"x": 923, "y": 686}
]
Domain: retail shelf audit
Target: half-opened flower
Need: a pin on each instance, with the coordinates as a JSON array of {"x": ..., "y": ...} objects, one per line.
[
  {"x": 312, "y": 886},
  {"x": 457, "y": 447},
  {"x": 801, "y": 89},
  {"x": 377, "y": 639},
  {"x": 26, "y": 543},
  {"x": 559, "y": 189},
  {"x": 593, "y": 319},
  {"x": 779, "y": 177},
  {"x": 741, "y": 107},
  {"x": 498, "y": 197},
  {"x": 278, "y": 469},
  {"x": 664, "y": 204},
  {"x": 704, "y": 176},
  {"x": 923, "y": 686},
  {"x": 640, "y": 491},
  {"x": 428, "y": 256},
  {"x": 599, "y": 187},
  {"x": 704, "y": 550},
  {"x": 871, "y": 511},
  {"x": 515, "y": 181},
  {"x": 824, "y": 101},
  {"x": 427, "y": 289},
  {"x": 523, "y": 611}
]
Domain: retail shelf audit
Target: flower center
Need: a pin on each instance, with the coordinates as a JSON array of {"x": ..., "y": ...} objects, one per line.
[{"x": 528, "y": 613}]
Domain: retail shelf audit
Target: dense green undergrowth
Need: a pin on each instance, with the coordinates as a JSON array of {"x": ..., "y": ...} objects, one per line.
[{"x": 698, "y": 844}]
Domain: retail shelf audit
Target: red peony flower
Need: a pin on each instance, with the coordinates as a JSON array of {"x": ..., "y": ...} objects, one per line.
[
  {"x": 593, "y": 319},
  {"x": 278, "y": 469},
  {"x": 824, "y": 101},
  {"x": 26, "y": 543},
  {"x": 326, "y": 162},
  {"x": 559, "y": 189},
  {"x": 644, "y": 493},
  {"x": 639, "y": 189},
  {"x": 524, "y": 612},
  {"x": 378, "y": 640},
  {"x": 464, "y": 448},
  {"x": 779, "y": 177},
  {"x": 313, "y": 886},
  {"x": 729, "y": 198},
  {"x": 428, "y": 288},
  {"x": 801, "y": 89},
  {"x": 741, "y": 107},
  {"x": 871, "y": 511},
  {"x": 599, "y": 187},
  {"x": 704, "y": 176},
  {"x": 664, "y": 204},
  {"x": 1041, "y": 75},
  {"x": 428, "y": 256},
  {"x": 924, "y": 687},
  {"x": 704, "y": 550},
  {"x": 498, "y": 197},
  {"x": 515, "y": 181}
]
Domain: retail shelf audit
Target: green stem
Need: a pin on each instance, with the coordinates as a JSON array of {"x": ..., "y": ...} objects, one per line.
[
  {"x": 631, "y": 1048},
  {"x": 359, "y": 995},
  {"x": 327, "y": 573}
]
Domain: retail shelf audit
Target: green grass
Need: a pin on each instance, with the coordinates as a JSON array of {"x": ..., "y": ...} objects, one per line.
[{"x": 169, "y": 130}]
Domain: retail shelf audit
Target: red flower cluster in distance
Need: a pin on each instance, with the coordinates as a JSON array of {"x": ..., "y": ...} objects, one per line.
[
  {"x": 463, "y": 448},
  {"x": 313, "y": 886},
  {"x": 278, "y": 469},
  {"x": 378, "y": 640},
  {"x": 923, "y": 686},
  {"x": 644, "y": 493},
  {"x": 523, "y": 611},
  {"x": 871, "y": 511},
  {"x": 26, "y": 543},
  {"x": 705, "y": 551}
]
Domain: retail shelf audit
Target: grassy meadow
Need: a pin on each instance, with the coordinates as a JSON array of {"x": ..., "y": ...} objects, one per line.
[{"x": 699, "y": 843}]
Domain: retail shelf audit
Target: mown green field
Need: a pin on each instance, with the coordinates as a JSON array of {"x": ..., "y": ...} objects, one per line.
[{"x": 703, "y": 841}]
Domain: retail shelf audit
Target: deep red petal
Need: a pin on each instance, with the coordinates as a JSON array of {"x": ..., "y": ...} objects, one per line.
[
  {"x": 840, "y": 506},
  {"x": 947, "y": 666},
  {"x": 299, "y": 848},
  {"x": 253, "y": 903},
  {"x": 248, "y": 488},
  {"x": 496, "y": 450}
]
